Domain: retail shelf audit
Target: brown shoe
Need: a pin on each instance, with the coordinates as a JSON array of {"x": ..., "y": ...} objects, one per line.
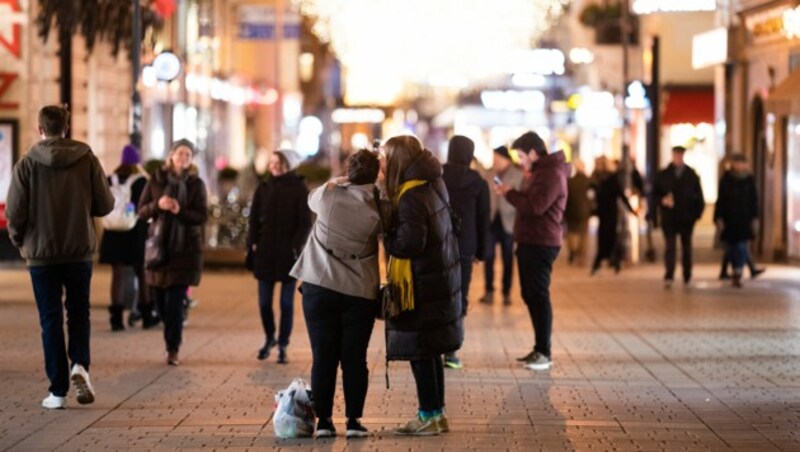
[{"x": 172, "y": 358}]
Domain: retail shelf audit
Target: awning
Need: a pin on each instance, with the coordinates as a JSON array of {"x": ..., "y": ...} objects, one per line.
[
  {"x": 693, "y": 105},
  {"x": 785, "y": 98}
]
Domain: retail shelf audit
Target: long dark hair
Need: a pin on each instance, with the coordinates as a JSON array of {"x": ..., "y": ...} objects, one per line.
[{"x": 401, "y": 151}]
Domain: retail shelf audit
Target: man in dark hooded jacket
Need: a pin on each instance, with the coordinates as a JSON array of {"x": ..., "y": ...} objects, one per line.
[
  {"x": 56, "y": 190},
  {"x": 469, "y": 198}
]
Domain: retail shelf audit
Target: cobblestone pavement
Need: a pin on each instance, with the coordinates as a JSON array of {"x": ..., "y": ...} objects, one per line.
[{"x": 636, "y": 367}]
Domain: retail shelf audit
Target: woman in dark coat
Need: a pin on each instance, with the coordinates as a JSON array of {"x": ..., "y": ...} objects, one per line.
[
  {"x": 425, "y": 275},
  {"x": 607, "y": 192},
  {"x": 175, "y": 200},
  {"x": 734, "y": 212},
  {"x": 124, "y": 250},
  {"x": 279, "y": 224}
]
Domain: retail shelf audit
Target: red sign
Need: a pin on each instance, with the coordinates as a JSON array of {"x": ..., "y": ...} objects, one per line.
[
  {"x": 6, "y": 79},
  {"x": 3, "y": 219},
  {"x": 13, "y": 45}
]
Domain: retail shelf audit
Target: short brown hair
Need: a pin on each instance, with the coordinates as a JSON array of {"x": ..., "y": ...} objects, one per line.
[
  {"x": 54, "y": 120},
  {"x": 363, "y": 167}
]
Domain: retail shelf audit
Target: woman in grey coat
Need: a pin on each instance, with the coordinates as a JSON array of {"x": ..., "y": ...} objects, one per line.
[{"x": 339, "y": 270}]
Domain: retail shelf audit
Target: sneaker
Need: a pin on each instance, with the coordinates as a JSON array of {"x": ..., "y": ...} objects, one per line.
[
  {"x": 452, "y": 361},
  {"x": 441, "y": 422},
  {"x": 487, "y": 298},
  {"x": 355, "y": 429},
  {"x": 539, "y": 362},
  {"x": 418, "y": 427},
  {"x": 282, "y": 359},
  {"x": 54, "y": 402},
  {"x": 263, "y": 352},
  {"x": 737, "y": 281},
  {"x": 724, "y": 276},
  {"x": 754, "y": 274},
  {"x": 172, "y": 358},
  {"x": 325, "y": 429},
  {"x": 83, "y": 386},
  {"x": 668, "y": 283},
  {"x": 506, "y": 300},
  {"x": 527, "y": 357}
]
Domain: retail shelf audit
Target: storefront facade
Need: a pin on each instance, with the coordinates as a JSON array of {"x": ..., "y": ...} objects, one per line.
[{"x": 765, "y": 103}]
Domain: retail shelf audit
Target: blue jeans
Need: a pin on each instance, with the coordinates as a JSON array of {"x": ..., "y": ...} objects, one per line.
[
  {"x": 737, "y": 254},
  {"x": 265, "y": 290},
  {"x": 49, "y": 284},
  {"x": 169, "y": 301},
  {"x": 535, "y": 269},
  {"x": 499, "y": 235}
]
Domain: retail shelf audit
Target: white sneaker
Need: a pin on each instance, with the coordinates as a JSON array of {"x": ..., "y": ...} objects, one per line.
[
  {"x": 539, "y": 362},
  {"x": 52, "y": 402},
  {"x": 83, "y": 387}
]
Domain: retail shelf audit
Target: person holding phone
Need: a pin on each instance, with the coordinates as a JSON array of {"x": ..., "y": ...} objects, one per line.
[
  {"x": 540, "y": 205},
  {"x": 501, "y": 225}
]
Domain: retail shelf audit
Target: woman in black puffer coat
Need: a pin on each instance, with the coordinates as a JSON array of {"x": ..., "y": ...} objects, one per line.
[
  {"x": 280, "y": 221},
  {"x": 424, "y": 250}
]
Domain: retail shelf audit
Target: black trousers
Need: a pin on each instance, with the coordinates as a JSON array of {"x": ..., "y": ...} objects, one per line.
[
  {"x": 170, "y": 307},
  {"x": 497, "y": 234},
  {"x": 671, "y": 233},
  {"x": 535, "y": 268},
  {"x": 339, "y": 327},
  {"x": 429, "y": 376}
]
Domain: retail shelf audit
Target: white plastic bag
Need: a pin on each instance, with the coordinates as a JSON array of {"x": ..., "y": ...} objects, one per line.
[{"x": 294, "y": 411}]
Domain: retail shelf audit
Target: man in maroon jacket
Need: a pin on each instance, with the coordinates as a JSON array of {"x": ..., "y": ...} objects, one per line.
[{"x": 540, "y": 205}]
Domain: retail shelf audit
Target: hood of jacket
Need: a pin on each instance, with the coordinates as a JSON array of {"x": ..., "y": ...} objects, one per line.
[
  {"x": 426, "y": 168},
  {"x": 288, "y": 177},
  {"x": 556, "y": 160},
  {"x": 460, "y": 151},
  {"x": 58, "y": 152},
  {"x": 460, "y": 176}
]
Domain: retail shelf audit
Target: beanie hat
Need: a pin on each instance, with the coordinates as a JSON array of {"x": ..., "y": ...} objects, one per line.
[
  {"x": 130, "y": 155},
  {"x": 460, "y": 150},
  {"x": 502, "y": 151}
]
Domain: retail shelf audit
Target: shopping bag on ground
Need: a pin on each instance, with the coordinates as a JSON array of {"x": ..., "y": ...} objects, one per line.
[{"x": 294, "y": 411}]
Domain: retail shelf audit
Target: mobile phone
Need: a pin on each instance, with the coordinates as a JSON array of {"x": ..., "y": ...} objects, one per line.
[
  {"x": 497, "y": 180},
  {"x": 376, "y": 145}
]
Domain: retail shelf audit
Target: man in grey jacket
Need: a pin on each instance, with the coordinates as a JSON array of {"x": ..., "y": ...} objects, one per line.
[
  {"x": 502, "y": 217},
  {"x": 57, "y": 189}
]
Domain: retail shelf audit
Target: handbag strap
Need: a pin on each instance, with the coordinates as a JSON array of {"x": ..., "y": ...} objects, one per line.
[{"x": 441, "y": 196}]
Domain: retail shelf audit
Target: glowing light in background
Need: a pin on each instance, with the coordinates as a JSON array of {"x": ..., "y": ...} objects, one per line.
[{"x": 387, "y": 44}]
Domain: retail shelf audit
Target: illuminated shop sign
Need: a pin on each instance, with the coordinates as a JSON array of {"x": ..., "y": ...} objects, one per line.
[
  {"x": 672, "y": 6},
  {"x": 710, "y": 48},
  {"x": 775, "y": 23},
  {"x": 529, "y": 100},
  {"x": 358, "y": 115}
]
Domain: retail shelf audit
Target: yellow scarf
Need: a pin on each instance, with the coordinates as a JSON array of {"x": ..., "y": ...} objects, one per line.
[{"x": 400, "y": 277}]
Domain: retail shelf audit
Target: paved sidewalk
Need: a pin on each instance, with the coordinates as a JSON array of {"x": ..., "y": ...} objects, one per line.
[{"x": 637, "y": 367}]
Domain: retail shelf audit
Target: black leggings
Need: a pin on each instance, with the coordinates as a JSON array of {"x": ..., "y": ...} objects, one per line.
[{"x": 429, "y": 376}]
